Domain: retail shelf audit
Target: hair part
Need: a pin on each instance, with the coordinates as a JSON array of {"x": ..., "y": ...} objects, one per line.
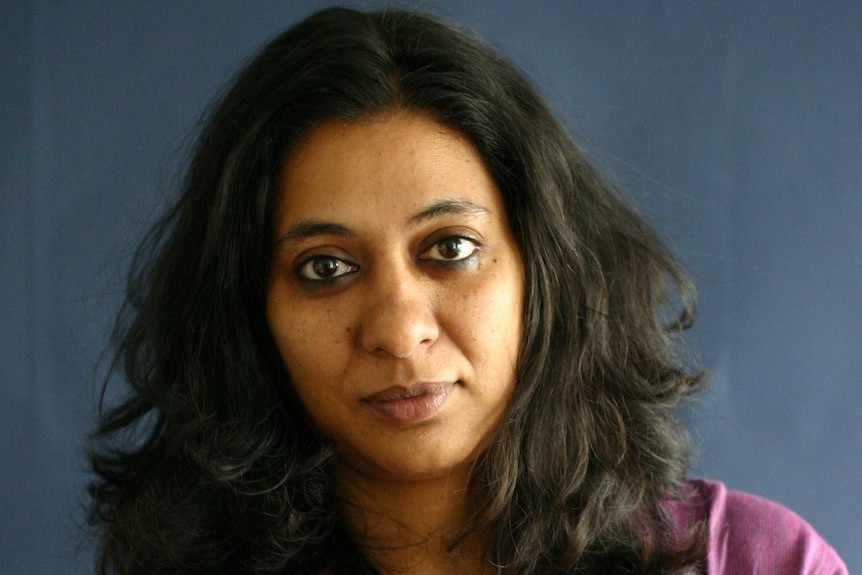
[{"x": 231, "y": 477}]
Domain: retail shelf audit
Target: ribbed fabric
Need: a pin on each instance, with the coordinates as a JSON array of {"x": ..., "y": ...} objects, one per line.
[{"x": 751, "y": 535}]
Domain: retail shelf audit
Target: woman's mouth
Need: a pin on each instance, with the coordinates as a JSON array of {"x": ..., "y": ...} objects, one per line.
[{"x": 410, "y": 404}]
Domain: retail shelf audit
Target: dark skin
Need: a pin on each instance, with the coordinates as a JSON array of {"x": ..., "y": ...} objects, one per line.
[{"x": 395, "y": 299}]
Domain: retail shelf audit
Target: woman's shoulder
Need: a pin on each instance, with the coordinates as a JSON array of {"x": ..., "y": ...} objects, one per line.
[{"x": 749, "y": 534}]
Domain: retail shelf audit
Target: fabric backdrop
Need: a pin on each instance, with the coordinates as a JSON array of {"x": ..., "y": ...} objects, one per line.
[{"x": 737, "y": 125}]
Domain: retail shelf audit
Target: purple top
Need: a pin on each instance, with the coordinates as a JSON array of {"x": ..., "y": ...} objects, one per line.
[{"x": 749, "y": 535}]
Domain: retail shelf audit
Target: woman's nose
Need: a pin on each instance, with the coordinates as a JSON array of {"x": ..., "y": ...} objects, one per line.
[{"x": 399, "y": 318}]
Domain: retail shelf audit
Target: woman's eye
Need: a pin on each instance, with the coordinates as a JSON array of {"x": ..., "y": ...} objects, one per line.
[
  {"x": 322, "y": 268},
  {"x": 451, "y": 249}
]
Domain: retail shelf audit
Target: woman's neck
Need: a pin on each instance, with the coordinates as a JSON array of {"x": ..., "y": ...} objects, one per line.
[{"x": 414, "y": 527}]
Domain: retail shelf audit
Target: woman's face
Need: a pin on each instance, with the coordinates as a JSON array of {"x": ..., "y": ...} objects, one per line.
[{"x": 395, "y": 295}]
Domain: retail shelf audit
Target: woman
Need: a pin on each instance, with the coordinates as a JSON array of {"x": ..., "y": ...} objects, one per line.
[{"x": 396, "y": 323}]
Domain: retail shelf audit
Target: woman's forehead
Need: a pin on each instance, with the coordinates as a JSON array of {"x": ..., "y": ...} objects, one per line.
[{"x": 396, "y": 164}]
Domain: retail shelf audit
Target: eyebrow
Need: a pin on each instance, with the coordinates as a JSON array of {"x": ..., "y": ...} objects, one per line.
[
  {"x": 448, "y": 207},
  {"x": 311, "y": 228},
  {"x": 445, "y": 207}
]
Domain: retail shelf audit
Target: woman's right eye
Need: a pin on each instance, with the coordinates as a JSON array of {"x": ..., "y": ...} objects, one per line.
[{"x": 324, "y": 268}]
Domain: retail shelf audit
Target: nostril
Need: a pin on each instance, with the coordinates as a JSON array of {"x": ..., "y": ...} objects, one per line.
[{"x": 398, "y": 330}]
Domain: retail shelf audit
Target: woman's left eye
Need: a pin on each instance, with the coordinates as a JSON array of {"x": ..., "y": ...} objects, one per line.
[{"x": 452, "y": 249}]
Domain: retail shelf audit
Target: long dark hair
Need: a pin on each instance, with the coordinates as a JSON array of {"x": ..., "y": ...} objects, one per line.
[{"x": 210, "y": 464}]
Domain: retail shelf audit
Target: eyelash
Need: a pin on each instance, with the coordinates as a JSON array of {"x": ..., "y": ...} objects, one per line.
[
  {"x": 306, "y": 267},
  {"x": 453, "y": 262}
]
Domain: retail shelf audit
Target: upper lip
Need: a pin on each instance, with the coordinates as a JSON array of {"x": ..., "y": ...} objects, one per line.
[{"x": 397, "y": 392}]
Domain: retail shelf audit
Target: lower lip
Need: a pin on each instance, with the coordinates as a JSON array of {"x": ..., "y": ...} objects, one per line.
[{"x": 412, "y": 409}]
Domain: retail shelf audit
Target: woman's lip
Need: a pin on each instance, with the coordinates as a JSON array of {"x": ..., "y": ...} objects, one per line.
[{"x": 409, "y": 404}]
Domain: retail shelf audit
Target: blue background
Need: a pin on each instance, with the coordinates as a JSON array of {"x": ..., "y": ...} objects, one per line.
[{"x": 737, "y": 125}]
